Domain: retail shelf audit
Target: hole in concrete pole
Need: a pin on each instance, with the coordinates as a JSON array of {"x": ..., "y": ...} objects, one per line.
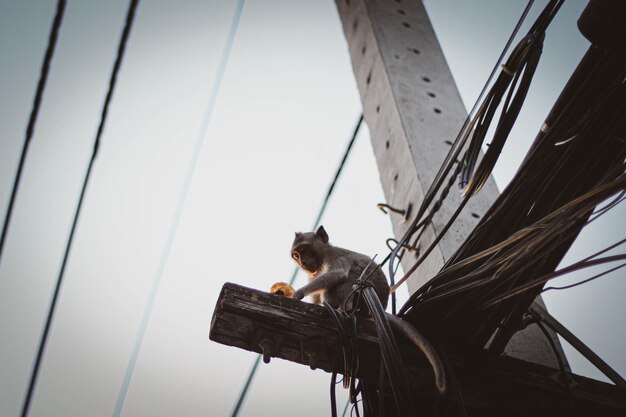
[
  {"x": 406, "y": 25},
  {"x": 436, "y": 110},
  {"x": 476, "y": 216},
  {"x": 368, "y": 79},
  {"x": 447, "y": 142},
  {"x": 426, "y": 79},
  {"x": 387, "y": 144},
  {"x": 414, "y": 50},
  {"x": 402, "y": 12},
  {"x": 395, "y": 177},
  {"x": 377, "y": 109},
  {"x": 396, "y": 56},
  {"x": 355, "y": 24},
  {"x": 431, "y": 94},
  {"x": 363, "y": 49}
]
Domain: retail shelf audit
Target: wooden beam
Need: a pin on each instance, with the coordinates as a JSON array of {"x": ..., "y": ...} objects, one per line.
[
  {"x": 305, "y": 333},
  {"x": 296, "y": 331}
]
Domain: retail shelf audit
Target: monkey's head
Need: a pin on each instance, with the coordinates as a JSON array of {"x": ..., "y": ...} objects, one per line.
[{"x": 308, "y": 249}]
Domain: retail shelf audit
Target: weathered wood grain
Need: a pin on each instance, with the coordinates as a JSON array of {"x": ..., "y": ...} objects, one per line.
[{"x": 296, "y": 331}]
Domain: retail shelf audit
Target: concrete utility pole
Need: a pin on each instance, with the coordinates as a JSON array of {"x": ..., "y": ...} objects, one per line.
[{"x": 414, "y": 111}]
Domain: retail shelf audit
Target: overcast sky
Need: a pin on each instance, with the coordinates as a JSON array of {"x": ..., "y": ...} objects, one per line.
[{"x": 286, "y": 107}]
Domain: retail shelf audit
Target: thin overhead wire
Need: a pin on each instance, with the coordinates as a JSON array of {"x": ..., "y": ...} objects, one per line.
[
  {"x": 576, "y": 284},
  {"x": 345, "y": 408},
  {"x": 316, "y": 223},
  {"x": 32, "y": 120},
  {"x": 217, "y": 82},
  {"x": 331, "y": 188},
  {"x": 103, "y": 117}
]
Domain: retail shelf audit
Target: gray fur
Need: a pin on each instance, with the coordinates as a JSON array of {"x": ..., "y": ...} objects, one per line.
[
  {"x": 332, "y": 273},
  {"x": 333, "y": 270}
]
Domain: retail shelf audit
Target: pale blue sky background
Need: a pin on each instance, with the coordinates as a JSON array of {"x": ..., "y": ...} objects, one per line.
[{"x": 285, "y": 110}]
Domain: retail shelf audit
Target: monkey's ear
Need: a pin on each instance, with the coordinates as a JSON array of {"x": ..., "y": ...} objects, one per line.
[{"x": 321, "y": 233}]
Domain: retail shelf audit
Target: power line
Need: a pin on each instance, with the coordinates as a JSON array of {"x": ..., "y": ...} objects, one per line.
[
  {"x": 30, "y": 128},
  {"x": 331, "y": 188},
  {"x": 318, "y": 219},
  {"x": 116, "y": 66},
  {"x": 228, "y": 45}
]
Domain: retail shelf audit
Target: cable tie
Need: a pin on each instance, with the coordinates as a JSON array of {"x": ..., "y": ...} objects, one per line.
[{"x": 507, "y": 70}]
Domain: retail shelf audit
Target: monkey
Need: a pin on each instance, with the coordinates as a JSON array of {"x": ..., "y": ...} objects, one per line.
[{"x": 328, "y": 268}]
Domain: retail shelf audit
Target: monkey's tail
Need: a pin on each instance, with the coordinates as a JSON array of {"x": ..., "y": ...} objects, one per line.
[{"x": 411, "y": 333}]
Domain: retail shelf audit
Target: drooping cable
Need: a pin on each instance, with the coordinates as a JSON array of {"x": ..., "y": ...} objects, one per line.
[
  {"x": 331, "y": 188},
  {"x": 516, "y": 76},
  {"x": 480, "y": 284},
  {"x": 514, "y": 81},
  {"x": 579, "y": 345},
  {"x": 552, "y": 230},
  {"x": 333, "y": 399},
  {"x": 32, "y": 120},
  {"x": 217, "y": 81},
  {"x": 576, "y": 284},
  {"x": 543, "y": 279},
  {"x": 345, "y": 408},
  {"x": 453, "y": 154},
  {"x": 103, "y": 117},
  {"x": 558, "y": 169},
  {"x": 563, "y": 372},
  {"x": 341, "y": 349},
  {"x": 362, "y": 295},
  {"x": 390, "y": 354},
  {"x": 452, "y": 281},
  {"x": 246, "y": 387}
]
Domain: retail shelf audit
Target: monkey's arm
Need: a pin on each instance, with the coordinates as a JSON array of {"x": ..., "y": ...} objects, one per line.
[{"x": 324, "y": 281}]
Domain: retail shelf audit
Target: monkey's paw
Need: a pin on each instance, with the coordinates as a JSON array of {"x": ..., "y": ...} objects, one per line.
[{"x": 298, "y": 295}]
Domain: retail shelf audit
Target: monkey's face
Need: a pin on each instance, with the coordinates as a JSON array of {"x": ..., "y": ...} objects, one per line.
[
  {"x": 306, "y": 258},
  {"x": 308, "y": 250}
]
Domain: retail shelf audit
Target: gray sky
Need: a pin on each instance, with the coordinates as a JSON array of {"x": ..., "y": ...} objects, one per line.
[{"x": 285, "y": 110}]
